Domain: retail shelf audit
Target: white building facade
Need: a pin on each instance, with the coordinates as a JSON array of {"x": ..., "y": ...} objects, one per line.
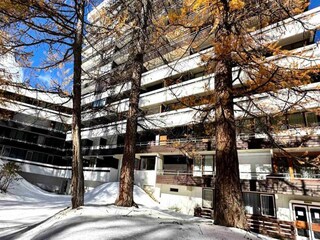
[{"x": 175, "y": 159}]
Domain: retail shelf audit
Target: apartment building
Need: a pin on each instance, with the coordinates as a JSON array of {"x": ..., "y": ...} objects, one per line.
[
  {"x": 33, "y": 128},
  {"x": 175, "y": 160}
]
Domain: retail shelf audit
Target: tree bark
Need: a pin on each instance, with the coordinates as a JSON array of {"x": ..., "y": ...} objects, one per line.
[
  {"x": 77, "y": 181},
  {"x": 125, "y": 198},
  {"x": 229, "y": 209}
]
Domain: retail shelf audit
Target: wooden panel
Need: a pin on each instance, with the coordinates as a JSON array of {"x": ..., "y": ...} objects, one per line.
[
  {"x": 316, "y": 227},
  {"x": 271, "y": 227},
  {"x": 301, "y": 225},
  {"x": 163, "y": 138}
]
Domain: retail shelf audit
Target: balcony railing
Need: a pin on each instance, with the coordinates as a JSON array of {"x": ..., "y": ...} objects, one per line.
[
  {"x": 284, "y": 185},
  {"x": 206, "y": 143},
  {"x": 28, "y": 124},
  {"x": 35, "y": 144},
  {"x": 271, "y": 184},
  {"x": 186, "y": 179}
]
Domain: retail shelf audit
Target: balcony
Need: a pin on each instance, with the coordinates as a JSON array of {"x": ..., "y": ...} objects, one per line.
[
  {"x": 282, "y": 184},
  {"x": 90, "y": 173},
  {"x": 272, "y": 184},
  {"x": 289, "y": 31},
  {"x": 179, "y": 178},
  {"x": 171, "y": 145},
  {"x": 202, "y": 85},
  {"x": 40, "y": 112}
]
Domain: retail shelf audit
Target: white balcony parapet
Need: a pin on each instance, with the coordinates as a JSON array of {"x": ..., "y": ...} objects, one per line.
[
  {"x": 53, "y": 98},
  {"x": 307, "y": 56},
  {"x": 270, "y": 104},
  {"x": 90, "y": 173},
  {"x": 110, "y": 92},
  {"x": 280, "y": 31},
  {"x": 39, "y": 112}
]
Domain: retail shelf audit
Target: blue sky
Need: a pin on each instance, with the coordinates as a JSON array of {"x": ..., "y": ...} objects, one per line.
[
  {"x": 43, "y": 78},
  {"x": 314, "y": 4}
]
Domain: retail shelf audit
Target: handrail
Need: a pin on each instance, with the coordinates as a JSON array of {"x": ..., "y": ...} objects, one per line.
[
  {"x": 36, "y": 144},
  {"x": 38, "y": 126}
]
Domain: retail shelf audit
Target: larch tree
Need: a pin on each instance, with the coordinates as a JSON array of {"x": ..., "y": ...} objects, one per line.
[
  {"x": 239, "y": 63},
  {"x": 131, "y": 24},
  {"x": 59, "y": 28},
  {"x": 139, "y": 18}
]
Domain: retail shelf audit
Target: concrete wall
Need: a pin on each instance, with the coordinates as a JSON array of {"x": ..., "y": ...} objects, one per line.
[
  {"x": 184, "y": 201},
  {"x": 48, "y": 183},
  {"x": 145, "y": 178},
  {"x": 283, "y": 203},
  {"x": 57, "y": 179}
]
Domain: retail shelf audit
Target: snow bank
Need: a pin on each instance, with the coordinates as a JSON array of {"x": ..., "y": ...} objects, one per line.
[
  {"x": 27, "y": 212},
  {"x": 22, "y": 190},
  {"x": 108, "y": 192}
]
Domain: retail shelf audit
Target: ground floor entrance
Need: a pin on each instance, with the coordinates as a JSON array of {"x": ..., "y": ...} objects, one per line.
[{"x": 307, "y": 221}]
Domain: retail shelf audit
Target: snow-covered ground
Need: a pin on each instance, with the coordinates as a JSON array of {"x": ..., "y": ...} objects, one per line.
[{"x": 27, "y": 212}]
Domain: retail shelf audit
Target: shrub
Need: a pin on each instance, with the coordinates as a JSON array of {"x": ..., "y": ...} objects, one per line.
[{"x": 8, "y": 173}]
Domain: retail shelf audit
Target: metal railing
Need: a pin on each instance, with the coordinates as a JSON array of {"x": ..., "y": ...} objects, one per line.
[
  {"x": 37, "y": 126},
  {"x": 35, "y": 144}
]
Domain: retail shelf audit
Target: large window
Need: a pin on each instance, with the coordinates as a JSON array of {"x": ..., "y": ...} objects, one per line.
[
  {"x": 296, "y": 120},
  {"x": 99, "y": 103},
  {"x": 312, "y": 120},
  {"x": 148, "y": 162},
  {"x": 208, "y": 166},
  {"x": 259, "y": 204},
  {"x": 18, "y": 153},
  {"x": 267, "y": 205},
  {"x": 207, "y": 197}
]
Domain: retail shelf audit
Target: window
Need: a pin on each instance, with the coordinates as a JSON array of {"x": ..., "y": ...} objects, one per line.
[
  {"x": 59, "y": 126},
  {"x": 18, "y": 153},
  {"x": 136, "y": 164},
  {"x": 207, "y": 197},
  {"x": 148, "y": 163},
  {"x": 279, "y": 122},
  {"x": 6, "y": 151},
  {"x": 312, "y": 120},
  {"x": 252, "y": 203},
  {"x": 29, "y": 155},
  {"x": 296, "y": 120},
  {"x": 99, "y": 103},
  {"x": 50, "y": 159},
  {"x": 259, "y": 204},
  {"x": 41, "y": 139},
  {"x": 174, "y": 190},
  {"x": 267, "y": 205},
  {"x": 247, "y": 126},
  {"x": 260, "y": 124},
  {"x": 20, "y": 135},
  {"x": 208, "y": 165},
  {"x": 39, "y": 157}
]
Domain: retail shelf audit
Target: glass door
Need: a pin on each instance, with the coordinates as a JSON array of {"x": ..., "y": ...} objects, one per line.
[
  {"x": 315, "y": 222},
  {"x": 301, "y": 222},
  {"x": 307, "y": 222}
]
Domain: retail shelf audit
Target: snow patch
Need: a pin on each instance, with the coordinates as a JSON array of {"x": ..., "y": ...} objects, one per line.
[{"x": 27, "y": 212}]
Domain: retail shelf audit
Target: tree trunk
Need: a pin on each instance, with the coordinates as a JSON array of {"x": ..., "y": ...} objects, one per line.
[
  {"x": 229, "y": 209},
  {"x": 125, "y": 198},
  {"x": 77, "y": 181}
]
